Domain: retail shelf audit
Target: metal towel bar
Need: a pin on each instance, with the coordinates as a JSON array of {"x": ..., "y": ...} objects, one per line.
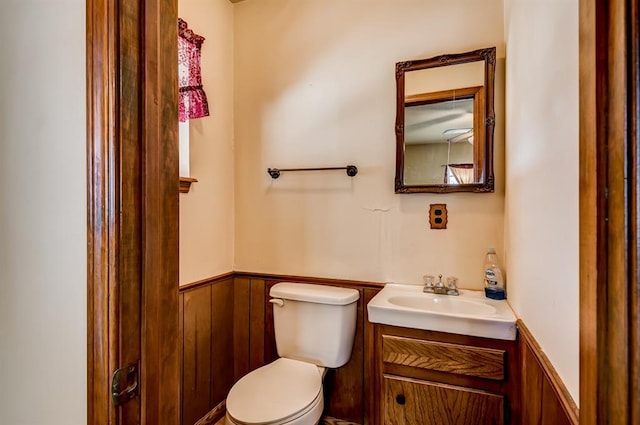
[{"x": 352, "y": 170}]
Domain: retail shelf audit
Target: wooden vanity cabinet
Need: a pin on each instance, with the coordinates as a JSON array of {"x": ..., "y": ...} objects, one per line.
[{"x": 425, "y": 377}]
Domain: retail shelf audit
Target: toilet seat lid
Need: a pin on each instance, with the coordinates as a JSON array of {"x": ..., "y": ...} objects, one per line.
[{"x": 274, "y": 392}]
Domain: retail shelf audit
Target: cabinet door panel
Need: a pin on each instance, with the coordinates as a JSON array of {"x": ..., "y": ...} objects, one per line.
[
  {"x": 481, "y": 362},
  {"x": 410, "y": 402}
]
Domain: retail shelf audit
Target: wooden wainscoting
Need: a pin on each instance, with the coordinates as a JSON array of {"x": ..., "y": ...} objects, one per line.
[
  {"x": 249, "y": 322},
  {"x": 545, "y": 399},
  {"x": 227, "y": 331},
  {"x": 207, "y": 312}
]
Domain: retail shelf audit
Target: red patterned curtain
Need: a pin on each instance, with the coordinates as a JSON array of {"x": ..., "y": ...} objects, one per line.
[{"x": 193, "y": 100}]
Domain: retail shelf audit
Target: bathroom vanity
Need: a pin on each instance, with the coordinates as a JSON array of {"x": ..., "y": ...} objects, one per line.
[
  {"x": 442, "y": 360},
  {"x": 426, "y": 377}
]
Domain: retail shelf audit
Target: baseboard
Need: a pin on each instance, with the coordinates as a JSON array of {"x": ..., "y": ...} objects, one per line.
[
  {"x": 219, "y": 411},
  {"x": 328, "y": 420},
  {"x": 214, "y": 415}
]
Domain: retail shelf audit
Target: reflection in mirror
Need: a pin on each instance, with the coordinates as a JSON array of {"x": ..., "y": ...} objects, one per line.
[
  {"x": 444, "y": 123},
  {"x": 441, "y": 142}
]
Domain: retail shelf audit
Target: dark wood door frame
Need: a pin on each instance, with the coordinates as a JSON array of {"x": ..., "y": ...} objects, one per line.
[
  {"x": 132, "y": 197},
  {"x": 609, "y": 117}
]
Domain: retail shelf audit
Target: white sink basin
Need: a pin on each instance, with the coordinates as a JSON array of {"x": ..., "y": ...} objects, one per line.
[
  {"x": 470, "y": 313},
  {"x": 444, "y": 305}
]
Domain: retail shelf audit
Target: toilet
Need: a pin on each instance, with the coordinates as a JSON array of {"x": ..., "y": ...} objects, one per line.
[{"x": 314, "y": 329}]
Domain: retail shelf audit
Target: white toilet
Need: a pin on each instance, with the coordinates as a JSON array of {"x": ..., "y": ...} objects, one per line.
[{"x": 314, "y": 329}]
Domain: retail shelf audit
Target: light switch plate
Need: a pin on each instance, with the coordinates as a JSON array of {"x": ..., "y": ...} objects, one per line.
[{"x": 438, "y": 216}]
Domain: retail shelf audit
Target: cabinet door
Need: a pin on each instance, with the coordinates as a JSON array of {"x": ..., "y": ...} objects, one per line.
[{"x": 411, "y": 402}]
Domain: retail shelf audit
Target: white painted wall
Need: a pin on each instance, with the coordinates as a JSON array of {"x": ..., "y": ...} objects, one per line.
[
  {"x": 206, "y": 212},
  {"x": 42, "y": 213},
  {"x": 541, "y": 224},
  {"x": 315, "y": 86}
]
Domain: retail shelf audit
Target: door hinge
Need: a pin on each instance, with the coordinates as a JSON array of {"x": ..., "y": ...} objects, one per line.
[{"x": 124, "y": 385}]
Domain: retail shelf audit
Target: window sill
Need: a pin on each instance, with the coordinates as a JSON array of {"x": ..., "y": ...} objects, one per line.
[{"x": 185, "y": 184}]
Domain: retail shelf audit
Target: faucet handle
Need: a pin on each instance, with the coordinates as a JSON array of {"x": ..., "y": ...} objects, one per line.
[
  {"x": 429, "y": 283},
  {"x": 452, "y": 286}
]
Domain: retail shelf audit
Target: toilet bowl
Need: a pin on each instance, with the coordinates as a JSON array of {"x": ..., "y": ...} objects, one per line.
[{"x": 285, "y": 392}]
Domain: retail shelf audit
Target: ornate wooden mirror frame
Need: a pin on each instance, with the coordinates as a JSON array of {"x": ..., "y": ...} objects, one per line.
[{"x": 483, "y": 153}]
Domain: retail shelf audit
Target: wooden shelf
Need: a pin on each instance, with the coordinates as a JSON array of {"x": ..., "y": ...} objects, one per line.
[{"x": 185, "y": 184}]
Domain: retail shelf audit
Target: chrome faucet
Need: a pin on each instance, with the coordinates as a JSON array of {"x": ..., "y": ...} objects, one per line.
[
  {"x": 430, "y": 286},
  {"x": 439, "y": 288}
]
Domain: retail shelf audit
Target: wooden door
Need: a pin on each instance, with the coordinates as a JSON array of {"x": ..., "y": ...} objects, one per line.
[
  {"x": 132, "y": 195},
  {"x": 410, "y": 401}
]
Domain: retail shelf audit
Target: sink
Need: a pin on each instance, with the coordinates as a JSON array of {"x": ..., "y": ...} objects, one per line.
[
  {"x": 470, "y": 313},
  {"x": 444, "y": 305}
]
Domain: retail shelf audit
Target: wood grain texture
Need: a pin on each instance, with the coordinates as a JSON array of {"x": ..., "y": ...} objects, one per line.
[
  {"x": 552, "y": 410},
  {"x": 544, "y": 395},
  {"x": 634, "y": 249},
  {"x": 609, "y": 176},
  {"x": 132, "y": 156},
  {"x": 102, "y": 325},
  {"x": 369, "y": 363},
  {"x": 615, "y": 370},
  {"x": 131, "y": 197},
  {"x": 256, "y": 323},
  {"x": 185, "y": 184},
  {"x": 207, "y": 360},
  {"x": 204, "y": 282},
  {"x": 241, "y": 327},
  {"x": 222, "y": 356},
  {"x": 410, "y": 402},
  {"x": 444, "y": 357},
  {"x": 182, "y": 362},
  {"x": 270, "y": 349},
  {"x": 160, "y": 377},
  {"x": 590, "y": 215},
  {"x": 509, "y": 388},
  {"x": 344, "y": 387},
  {"x": 532, "y": 378},
  {"x": 196, "y": 378}
]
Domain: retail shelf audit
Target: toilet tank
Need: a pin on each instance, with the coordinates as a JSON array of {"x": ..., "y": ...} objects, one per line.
[{"x": 314, "y": 323}]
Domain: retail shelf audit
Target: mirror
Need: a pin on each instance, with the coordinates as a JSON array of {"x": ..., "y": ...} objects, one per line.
[{"x": 444, "y": 123}]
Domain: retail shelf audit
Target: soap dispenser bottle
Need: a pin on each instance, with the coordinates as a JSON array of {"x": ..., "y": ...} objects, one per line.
[{"x": 493, "y": 278}]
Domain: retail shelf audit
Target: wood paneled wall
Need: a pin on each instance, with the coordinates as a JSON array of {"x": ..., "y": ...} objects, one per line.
[
  {"x": 249, "y": 320},
  {"x": 227, "y": 331},
  {"x": 207, "y": 323},
  {"x": 545, "y": 399}
]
